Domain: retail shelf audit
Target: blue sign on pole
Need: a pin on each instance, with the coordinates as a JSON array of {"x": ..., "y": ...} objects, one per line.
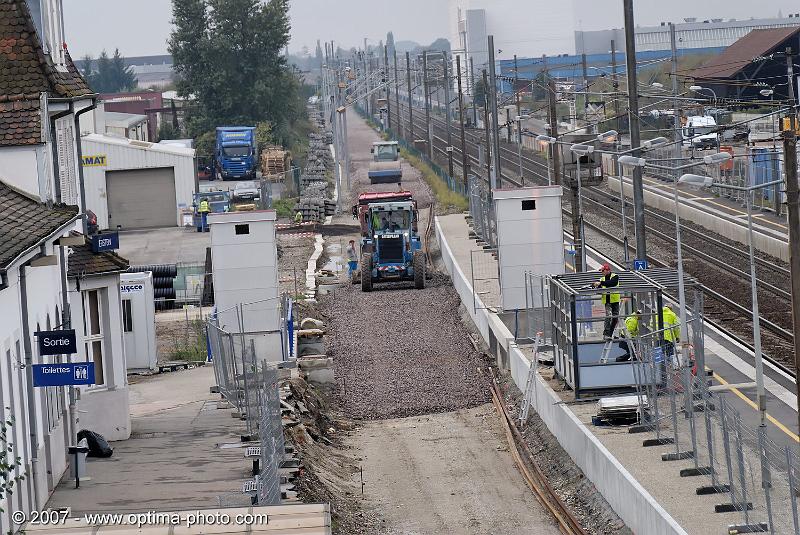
[
  {"x": 639, "y": 265},
  {"x": 105, "y": 242},
  {"x": 76, "y": 373}
]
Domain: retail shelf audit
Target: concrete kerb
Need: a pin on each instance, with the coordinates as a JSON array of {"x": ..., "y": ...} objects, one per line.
[
  {"x": 711, "y": 219},
  {"x": 637, "y": 508}
]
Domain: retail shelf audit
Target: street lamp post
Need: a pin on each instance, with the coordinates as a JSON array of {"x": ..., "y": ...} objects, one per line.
[
  {"x": 581, "y": 150},
  {"x": 711, "y": 159},
  {"x": 519, "y": 119},
  {"x": 705, "y": 181},
  {"x": 547, "y": 141},
  {"x": 697, "y": 89}
]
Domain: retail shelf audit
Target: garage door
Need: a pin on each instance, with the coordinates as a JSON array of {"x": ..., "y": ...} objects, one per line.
[{"x": 141, "y": 198}]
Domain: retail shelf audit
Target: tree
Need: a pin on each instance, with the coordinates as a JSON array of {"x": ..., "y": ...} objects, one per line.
[
  {"x": 111, "y": 75},
  {"x": 229, "y": 55},
  {"x": 122, "y": 75},
  {"x": 479, "y": 93},
  {"x": 167, "y": 131}
]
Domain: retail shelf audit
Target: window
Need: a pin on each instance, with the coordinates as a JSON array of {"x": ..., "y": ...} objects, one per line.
[
  {"x": 93, "y": 332},
  {"x": 242, "y": 229},
  {"x": 127, "y": 316},
  {"x": 236, "y": 152},
  {"x": 67, "y": 170}
]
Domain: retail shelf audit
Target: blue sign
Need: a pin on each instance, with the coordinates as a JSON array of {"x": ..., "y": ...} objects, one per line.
[
  {"x": 639, "y": 265},
  {"x": 56, "y": 342},
  {"x": 76, "y": 373},
  {"x": 105, "y": 242}
]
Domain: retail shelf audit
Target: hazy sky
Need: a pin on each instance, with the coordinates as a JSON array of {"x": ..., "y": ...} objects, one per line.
[{"x": 141, "y": 27}]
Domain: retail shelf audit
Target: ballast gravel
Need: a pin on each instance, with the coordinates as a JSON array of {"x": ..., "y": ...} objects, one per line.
[{"x": 399, "y": 352}]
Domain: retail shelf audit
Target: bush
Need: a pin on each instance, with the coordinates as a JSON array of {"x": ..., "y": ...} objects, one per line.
[{"x": 284, "y": 207}]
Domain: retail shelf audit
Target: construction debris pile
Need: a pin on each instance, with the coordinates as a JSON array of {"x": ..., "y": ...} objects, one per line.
[{"x": 315, "y": 203}]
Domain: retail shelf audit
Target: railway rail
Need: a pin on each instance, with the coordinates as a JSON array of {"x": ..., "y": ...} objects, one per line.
[{"x": 724, "y": 260}]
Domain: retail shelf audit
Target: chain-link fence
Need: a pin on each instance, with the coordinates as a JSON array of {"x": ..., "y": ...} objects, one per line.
[
  {"x": 481, "y": 211},
  {"x": 538, "y": 315},
  {"x": 270, "y": 433},
  {"x": 239, "y": 343},
  {"x": 751, "y": 473}
]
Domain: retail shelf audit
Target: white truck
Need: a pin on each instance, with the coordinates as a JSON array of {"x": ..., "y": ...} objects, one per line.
[{"x": 700, "y": 132}]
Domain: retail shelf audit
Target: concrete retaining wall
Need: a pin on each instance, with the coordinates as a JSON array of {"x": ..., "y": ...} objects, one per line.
[
  {"x": 710, "y": 219},
  {"x": 637, "y": 508}
]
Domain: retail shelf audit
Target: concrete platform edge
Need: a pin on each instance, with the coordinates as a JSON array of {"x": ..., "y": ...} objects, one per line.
[
  {"x": 637, "y": 508},
  {"x": 710, "y": 219}
]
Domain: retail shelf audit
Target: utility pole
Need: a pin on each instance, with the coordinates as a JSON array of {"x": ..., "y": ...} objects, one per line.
[
  {"x": 486, "y": 129},
  {"x": 589, "y": 128},
  {"x": 516, "y": 86},
  {"x": 410, "y": 99},
  {"x": 426, "y": 95},
  {"x": 633, "y": 120},
  {"x": 793, "y": 207},
  {"x": 446, "y": 73},
  {"x": 397, "y": 97},
  {"x": 615, "y": 84},
  {"x": 555, "y": 155},
  {"x": 676, "y": 115},
  {"x": 464, "y": 160},
  {"x": 498, "y": 181},
  {"x": 385, "y": 82},
  {"x": 471, "y": 78}
]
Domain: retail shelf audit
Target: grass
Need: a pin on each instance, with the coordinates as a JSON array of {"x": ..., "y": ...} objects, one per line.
[
  {"x": 447, "y": 199},
  {"x": 195, "y": 348},
  {"x": 284, "y": 207}
]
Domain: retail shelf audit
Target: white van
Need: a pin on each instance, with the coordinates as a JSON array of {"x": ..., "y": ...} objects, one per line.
[{"x": 700, "y": 132}]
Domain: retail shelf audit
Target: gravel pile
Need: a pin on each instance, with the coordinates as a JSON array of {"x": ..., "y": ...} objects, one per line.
[{"x": 402, "y": 352}]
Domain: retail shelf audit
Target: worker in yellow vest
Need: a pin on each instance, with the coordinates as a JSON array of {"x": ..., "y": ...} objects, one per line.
[
  {"x": 203, "y": 209},
  {"x": 609, "y": 279}
]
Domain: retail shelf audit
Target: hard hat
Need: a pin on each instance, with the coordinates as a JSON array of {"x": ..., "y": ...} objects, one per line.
[{"x": 605, "y": 267}]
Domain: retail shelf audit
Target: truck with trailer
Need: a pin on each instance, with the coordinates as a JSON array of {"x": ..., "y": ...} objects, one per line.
[
  {"x": 391, "y": 247},
  {"x": 385, "y": 166},
  {"x": 235, "y": 154}
]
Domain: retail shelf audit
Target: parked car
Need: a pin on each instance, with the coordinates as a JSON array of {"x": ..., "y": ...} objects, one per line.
[{"x": 246, "y": 191}]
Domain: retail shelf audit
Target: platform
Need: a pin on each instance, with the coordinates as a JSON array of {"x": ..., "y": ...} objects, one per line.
[{"x": 730, "y": 363}]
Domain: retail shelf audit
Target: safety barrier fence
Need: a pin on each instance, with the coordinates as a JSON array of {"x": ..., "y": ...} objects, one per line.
[
  {"x": 720, "y": 452},
  {"x": 481, "y": 210}
]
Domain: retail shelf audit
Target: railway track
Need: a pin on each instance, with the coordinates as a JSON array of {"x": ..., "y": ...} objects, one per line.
[{"x": 722, "y": 268}]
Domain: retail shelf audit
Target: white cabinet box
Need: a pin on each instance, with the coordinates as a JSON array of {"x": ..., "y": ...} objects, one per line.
[{"x": 530, "y": 239}]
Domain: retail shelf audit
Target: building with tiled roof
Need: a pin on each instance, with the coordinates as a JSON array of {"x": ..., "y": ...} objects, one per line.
[
  {"x": 42, "y": 96},
  {"x": 41, "y": 93}
]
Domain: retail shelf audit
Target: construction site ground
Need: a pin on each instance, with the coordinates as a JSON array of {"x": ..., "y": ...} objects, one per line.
[{"x": 415, "y": 443}]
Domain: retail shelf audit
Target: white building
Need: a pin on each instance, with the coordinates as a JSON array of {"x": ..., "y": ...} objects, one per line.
[
  {"x": 522, "y": 28},
  {"x": 41, "y": 192},
  {"x": 690, "y": 34},
  {"x": 137, "y": 184}
]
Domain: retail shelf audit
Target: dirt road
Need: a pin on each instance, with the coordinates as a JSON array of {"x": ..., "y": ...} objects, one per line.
[{"x": 444, "y": 467}]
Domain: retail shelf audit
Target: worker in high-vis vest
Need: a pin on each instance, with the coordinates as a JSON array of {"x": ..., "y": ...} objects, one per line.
[
  {"x": 203, "y": 209},
  {"x": 609, "y": 279},
  {"x": 632, "y": 330},
  {"x": 672, "y": 330}
]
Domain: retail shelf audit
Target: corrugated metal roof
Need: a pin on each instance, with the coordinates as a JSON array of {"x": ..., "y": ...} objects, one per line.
[
  {"x": 139, "y": 145},
  {"x": 742, "y": 52}
]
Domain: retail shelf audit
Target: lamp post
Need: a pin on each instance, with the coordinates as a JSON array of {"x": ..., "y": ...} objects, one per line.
[
  {"x": 711, "y": 159},
  {"x": 547, "y": 141},
  {"x": 581, "y": 149},
  {"x": 612, "y": 136},
  {"x": 519, "y": 119},
  {"x": 705, "y": 181},
  {"x": 697, "y": 89}
]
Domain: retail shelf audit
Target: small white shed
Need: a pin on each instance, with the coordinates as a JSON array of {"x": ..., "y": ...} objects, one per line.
[
  {"x": 138, "y": 320},
  {"x": 530, "y": 239},
  {"x": 134, "y": 184},
  {"x": 244, "y": 256}
]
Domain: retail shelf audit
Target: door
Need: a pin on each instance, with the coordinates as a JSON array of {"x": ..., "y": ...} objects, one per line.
[{"x": 141, "y": 198}]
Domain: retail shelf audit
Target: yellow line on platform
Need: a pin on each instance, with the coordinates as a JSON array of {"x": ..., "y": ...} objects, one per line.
[{"x": 750, "y": 402}]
